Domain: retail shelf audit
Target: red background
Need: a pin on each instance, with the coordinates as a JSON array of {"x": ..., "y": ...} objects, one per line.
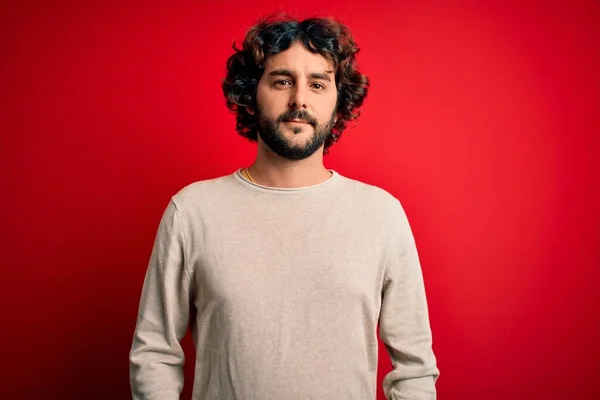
[{"x": 483, "y": 118}]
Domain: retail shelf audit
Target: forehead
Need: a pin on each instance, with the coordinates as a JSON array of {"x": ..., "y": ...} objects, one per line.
[{"x": 296, "y": 58}]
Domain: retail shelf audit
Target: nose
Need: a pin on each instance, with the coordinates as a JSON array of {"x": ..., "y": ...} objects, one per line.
[{"x": 298, "y": 98}]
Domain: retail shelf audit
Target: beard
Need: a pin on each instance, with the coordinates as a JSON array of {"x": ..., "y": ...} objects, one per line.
[{"x": 270, "y": 132}]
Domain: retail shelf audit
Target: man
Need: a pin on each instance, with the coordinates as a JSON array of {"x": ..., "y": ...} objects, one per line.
[{"x": 285, "y": 269}]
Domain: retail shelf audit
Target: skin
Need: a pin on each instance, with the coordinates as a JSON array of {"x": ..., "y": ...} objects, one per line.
[{"x": 295, "y": 84}]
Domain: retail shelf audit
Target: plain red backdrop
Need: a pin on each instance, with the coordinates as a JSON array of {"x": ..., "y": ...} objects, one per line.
[{"x": 483, "y": 118}]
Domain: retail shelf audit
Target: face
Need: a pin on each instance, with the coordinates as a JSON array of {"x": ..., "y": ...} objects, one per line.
[{"x": 296, "y": 98}]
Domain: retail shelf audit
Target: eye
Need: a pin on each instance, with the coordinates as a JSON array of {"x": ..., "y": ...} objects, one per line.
[
  {"x": 282, "y": 83},
  {"x": 318, "y": 86}
]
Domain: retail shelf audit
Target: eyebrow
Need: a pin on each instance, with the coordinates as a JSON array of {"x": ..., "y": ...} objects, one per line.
[{"x": 315, "y": 75}]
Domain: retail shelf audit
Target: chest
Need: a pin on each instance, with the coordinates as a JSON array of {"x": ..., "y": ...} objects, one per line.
[{"x": 289, "y": 262}]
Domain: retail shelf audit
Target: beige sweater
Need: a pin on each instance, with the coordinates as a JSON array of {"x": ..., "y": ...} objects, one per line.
[{"x": 284, "y": 290}]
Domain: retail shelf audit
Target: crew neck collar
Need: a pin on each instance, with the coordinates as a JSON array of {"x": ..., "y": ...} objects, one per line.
[{"x": 335, "y": 176}]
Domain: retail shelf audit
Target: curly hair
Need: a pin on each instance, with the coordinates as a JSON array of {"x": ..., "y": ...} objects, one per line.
[{"x": 276, "y": 33}]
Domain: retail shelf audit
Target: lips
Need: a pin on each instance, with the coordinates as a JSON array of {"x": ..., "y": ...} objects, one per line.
[{"x": 297, "y": 121}]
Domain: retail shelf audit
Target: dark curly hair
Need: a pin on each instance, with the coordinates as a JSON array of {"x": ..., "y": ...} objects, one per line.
[{"x": 276, "y": 33}]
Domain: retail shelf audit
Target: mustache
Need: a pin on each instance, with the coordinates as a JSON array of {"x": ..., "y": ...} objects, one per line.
[{"x": 299, "y": 115}]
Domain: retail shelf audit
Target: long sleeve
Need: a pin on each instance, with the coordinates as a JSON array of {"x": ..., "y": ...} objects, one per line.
[
  {"x": 404, "y": 321},
  {"x": 156, "y": 357}
]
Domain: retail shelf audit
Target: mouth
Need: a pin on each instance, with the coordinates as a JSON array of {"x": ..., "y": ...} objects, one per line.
[{"x": 295, "y": 121}]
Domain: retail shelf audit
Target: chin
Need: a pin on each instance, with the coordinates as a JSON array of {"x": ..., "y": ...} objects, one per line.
[{"x": 298, "y": 129}]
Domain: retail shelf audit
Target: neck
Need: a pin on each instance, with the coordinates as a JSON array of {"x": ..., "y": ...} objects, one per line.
[{"x": 269, "y": 169}]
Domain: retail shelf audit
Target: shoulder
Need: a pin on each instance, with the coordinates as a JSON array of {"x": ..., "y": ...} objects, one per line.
[
  {"x": 382, "y": 207},
  {"x": 205, "y": 192},
  {"x": 374, "y": 197}
]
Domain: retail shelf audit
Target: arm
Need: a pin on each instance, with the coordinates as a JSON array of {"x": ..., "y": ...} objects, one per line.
[
  {"x": 156, "y": 357},
  {"x": 404, "y": 322}
]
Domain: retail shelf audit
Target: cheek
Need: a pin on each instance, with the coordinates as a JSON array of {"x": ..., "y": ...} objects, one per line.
[
  {"x": 259, "y": 94},
  {"x": 270, "y": 103},
  {"x": 327, "y": 108}
]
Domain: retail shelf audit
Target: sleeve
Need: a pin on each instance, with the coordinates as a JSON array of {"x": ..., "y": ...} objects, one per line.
[
  {"x": 404, "y": 324},
  {"x": 156, "y": 358}
]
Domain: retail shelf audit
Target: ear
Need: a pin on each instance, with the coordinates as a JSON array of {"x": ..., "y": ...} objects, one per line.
[{"x": 250, "y": 110}]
